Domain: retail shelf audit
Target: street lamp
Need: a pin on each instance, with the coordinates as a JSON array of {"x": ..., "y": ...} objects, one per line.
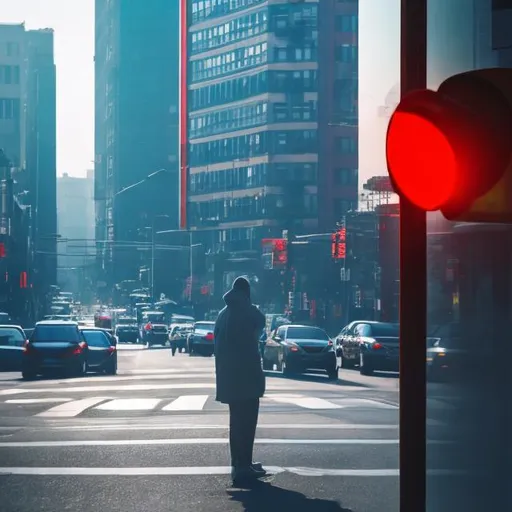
[
  {"x": 190, "y": 260},
  {"x": 153, "y": 254}
]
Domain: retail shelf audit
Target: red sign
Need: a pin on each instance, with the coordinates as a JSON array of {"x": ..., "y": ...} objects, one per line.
[{"x": 339, "y": 244}]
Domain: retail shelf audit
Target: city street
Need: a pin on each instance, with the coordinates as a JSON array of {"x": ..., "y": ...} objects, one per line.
[{"x": 153, "y": 438}]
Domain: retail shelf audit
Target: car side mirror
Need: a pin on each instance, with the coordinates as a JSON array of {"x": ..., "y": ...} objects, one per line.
[{"x": 277, "y": 338}]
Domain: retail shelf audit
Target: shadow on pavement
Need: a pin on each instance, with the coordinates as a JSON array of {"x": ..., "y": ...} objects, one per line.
[
  {"x": 263, "y": 496},
  {"x": 312, "y": 377}
]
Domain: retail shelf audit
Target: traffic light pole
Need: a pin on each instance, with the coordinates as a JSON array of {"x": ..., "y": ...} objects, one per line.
[{"x": 413, "y": 285}]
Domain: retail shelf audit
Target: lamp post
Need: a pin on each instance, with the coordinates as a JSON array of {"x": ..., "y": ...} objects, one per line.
[
  {"x": 153, "y": 254},
  {"x": 190, "y": 259}
]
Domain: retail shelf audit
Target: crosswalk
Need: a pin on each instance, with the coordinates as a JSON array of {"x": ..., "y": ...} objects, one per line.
[{"x": 62, "y": 407}]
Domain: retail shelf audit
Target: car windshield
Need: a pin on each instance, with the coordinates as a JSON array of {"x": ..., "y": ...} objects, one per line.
[
  {"x": 55, "y": 333},
  {"x": 204, "y": 326},
  {"x": 306, "y": 333},
  {"x": 391, "y": 330}
]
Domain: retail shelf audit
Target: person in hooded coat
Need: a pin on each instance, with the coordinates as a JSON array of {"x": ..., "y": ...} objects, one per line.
[{"x": 239, "y": 376}]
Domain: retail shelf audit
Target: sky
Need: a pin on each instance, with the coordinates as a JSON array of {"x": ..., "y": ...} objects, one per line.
[{"x": 73, "y": 23}]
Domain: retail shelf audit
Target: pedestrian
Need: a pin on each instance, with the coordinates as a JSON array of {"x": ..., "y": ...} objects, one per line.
[{"x": 239, "y": 376}]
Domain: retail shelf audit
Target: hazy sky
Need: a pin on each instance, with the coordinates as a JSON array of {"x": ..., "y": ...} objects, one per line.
[{"x": 73, "y": 22}]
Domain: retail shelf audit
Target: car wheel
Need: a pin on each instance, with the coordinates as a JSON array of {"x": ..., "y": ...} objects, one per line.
[
  {"x": 364, "y": 369},
  {"x": 332, "y": 374},
  {"x": 112, "y": 369},
  {"x": 81, "y": 370},
  {"x": 27, "y": 375}
]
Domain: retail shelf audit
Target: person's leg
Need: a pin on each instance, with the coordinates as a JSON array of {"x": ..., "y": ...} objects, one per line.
[
  {"x": 235, "y": 416},
  {"x": 250, "y": 418}
]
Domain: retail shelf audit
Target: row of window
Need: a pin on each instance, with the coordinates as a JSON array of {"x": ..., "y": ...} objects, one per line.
[
  {"x": 247, "y": 208},
  {"x": 9, "y": 108},
  {"x": 347, "y": 53},
  {"x": 246, "y": 146},
  {"x": 346, "y": 23},
  {"x": 9, "y": 75},
  {"x": 236, "y": 118},
  {"x": 345, "y": 177},
  {"x": 230, "y": 32},
  {"x": 229, "y": 62},
  {"x": 249, "y": 116},
  {"x": 242, "y": 88},
  {"x": 258, "y": 175},
  {"x": 204, "y": 9},
  {"x": 228, "y": 179}
]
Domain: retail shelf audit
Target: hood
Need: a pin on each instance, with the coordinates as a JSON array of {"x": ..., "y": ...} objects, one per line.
[{"x": 236, "y": 298}]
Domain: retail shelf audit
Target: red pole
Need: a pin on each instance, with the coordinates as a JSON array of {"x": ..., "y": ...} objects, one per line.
[{"x": 413, "y": 285}]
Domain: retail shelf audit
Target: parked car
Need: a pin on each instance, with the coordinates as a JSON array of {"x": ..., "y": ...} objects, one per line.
[
  {"x": 55, "y": 346},
  {"x": 127, "y": 333},
  {"x": 445, "y": 354},
  {"x": 102, "y": 353},
  {"x": 296, "y": 348},
  {"x": 200, "y": 340},
  {"x": 12, "y": 341},
  {"x": 379, "y": 346}
]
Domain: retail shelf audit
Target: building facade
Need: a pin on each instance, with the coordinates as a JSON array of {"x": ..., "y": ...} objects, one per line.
[
  {"x": 136, "y": 127},
  {"x": 28, "y": 138},
  {"x": 272, "y": 118},
  {"x": 75, "y": 214}
]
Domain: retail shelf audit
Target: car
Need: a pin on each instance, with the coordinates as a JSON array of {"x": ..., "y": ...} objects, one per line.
[
  {"x": 12, "y": 341},
  {"x": 102, "y": 352},
  {"x": 201, "y": 339},
  {"x": 296, "y": 348},
  {"x": 55, "y": 345},
  {"x": 379, "y": 347},
  {"x": 127, "y": 330}
]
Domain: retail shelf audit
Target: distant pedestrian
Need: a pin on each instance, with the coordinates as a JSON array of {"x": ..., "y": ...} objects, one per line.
[{"x": 240, "y": 377}]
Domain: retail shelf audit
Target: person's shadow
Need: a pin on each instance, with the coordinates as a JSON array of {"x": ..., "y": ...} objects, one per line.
[{"x": 263, "y": 496}]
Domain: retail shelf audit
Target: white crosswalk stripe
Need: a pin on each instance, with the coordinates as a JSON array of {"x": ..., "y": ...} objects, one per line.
[
  {"x": 71, "y": 409},
  {"x": 129, "y": 404},
  {"x": 187, "y": 403}
]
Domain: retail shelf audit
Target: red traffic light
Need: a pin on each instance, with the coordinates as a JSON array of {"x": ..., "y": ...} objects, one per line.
[{"x": 447, "y": 148}]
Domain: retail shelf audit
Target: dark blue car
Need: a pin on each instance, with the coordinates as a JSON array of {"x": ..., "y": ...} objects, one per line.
[{"x": 12, "y": 340}]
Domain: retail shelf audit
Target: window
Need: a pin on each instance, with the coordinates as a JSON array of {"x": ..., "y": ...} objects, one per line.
[
  {"x": 306, "y": 333},
  {"x": 345, "y": 177},
  {"x": 96, "y": 339},
  {"x": 346, "y": 145},
  {"x": 10, "y": 337},
  {"x": 346, "y": 23},
  {"x": 9, "y": 108},
  {"x": 347, "y": 53},
  {"x": 55, "y": 333}
]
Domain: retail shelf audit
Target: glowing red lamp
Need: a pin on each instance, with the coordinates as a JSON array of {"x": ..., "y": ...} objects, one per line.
[{"x": 448, "y": 148}]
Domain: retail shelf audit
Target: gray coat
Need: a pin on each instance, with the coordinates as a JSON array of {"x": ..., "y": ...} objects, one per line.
[{"x": 237, "y": 358}]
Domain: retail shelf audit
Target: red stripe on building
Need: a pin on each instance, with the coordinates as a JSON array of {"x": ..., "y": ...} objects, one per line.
[{"x": 183, "y": 114}]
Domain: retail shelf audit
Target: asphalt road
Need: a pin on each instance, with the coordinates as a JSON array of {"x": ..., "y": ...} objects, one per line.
[{"x": 153, "y": 439}]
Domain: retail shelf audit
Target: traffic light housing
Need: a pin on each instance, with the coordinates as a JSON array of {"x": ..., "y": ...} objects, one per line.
[{"x": 451, "y": 149}]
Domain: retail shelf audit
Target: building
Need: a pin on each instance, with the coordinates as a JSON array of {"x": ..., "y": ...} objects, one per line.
[
  {"x": 272, "y": 118},
  {"x": 75, "y": 215},
  {"x": 28, "y": 137},
  {"x": 136, "y": 128}
]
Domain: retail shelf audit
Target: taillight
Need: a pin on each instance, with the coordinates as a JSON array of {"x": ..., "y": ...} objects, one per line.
[
  {"x": 294, "y": 348},
  {"x": 111, "y": 349},
  {"x": 27, "y": 348},
  {"x": 209, "y": 336},
  {"x": 79, "y": 349},
  {"x": 329, "y": 343},
  {"x": 376, "y": 346}
]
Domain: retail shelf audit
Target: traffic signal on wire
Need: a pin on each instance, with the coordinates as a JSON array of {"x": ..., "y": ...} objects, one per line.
[{"x": 451, "y": 149}]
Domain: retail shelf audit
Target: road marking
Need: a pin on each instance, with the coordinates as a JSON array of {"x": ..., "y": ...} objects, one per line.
[
  {"x": 187, "y": 403},
  {"x": 305, "y": 402},
  {"x": 190, "y": 441},
  {"x": 119, "y": 378},
  {"x": 190, "y": 426},
  {"x": 129, "y": 404},
  {"x": 94, "y": 389},
  {"x": 185, "y": 471},
  {"x": 364, "y": 402},
  {"x": 71, "y": 409},
  {"x": 36, "y": 400}
]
